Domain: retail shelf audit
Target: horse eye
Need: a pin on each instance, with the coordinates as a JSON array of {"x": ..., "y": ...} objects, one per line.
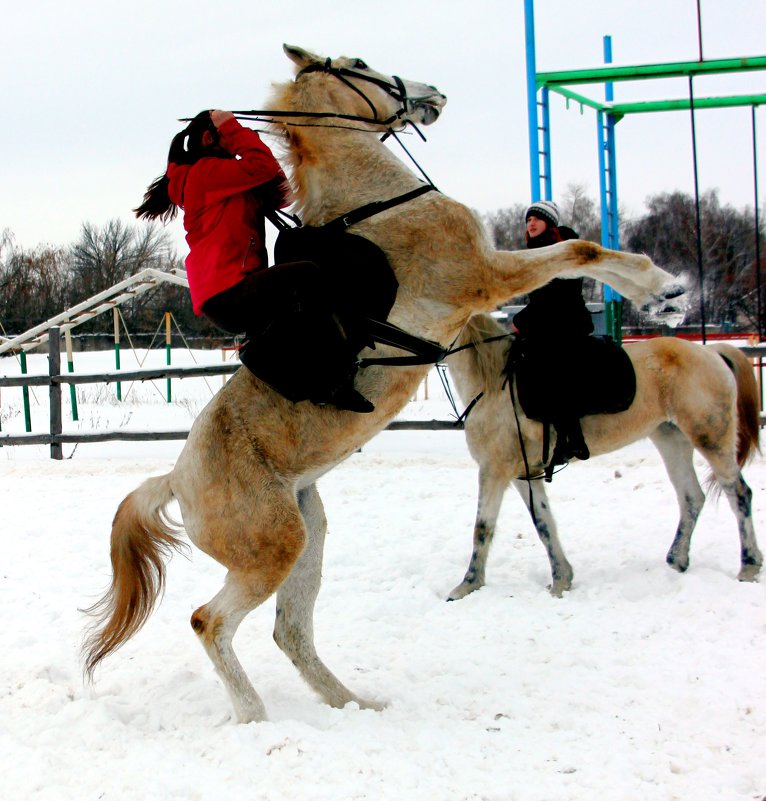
[{"x": 360, "y": 65}]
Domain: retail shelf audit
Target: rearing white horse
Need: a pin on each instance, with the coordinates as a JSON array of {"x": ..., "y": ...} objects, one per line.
[{"x": 245, "y": 480}]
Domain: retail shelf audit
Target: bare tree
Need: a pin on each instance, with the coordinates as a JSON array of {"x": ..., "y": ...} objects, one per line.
[
  {"x": 506, "y": 227},
  {"x": 668, "y": 234},
  {"x": 104, "y": 256},
  {"x": 580, "y": 212},
  {"x": 32, "y": 284}
]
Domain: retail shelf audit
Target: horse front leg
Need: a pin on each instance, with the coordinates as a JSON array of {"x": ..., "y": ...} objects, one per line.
[
  {"x": 294, "y": 624},
  {"x": 491, "y": 490},
  {"x": 632, "y": 275},
  {"x": 536, "y": 500}
]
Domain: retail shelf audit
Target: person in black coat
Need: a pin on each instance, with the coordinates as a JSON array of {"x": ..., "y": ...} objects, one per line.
[{"x": 551, "y": 330}]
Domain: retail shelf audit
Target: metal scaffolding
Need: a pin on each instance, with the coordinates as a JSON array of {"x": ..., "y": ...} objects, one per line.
[{"x": 608, "y": 114}]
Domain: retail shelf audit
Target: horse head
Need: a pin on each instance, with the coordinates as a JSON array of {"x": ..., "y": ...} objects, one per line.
[{"x": 385, "y": 100}]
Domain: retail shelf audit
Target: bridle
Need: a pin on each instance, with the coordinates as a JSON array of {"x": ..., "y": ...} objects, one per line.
[{"x": 395, "y": 90}]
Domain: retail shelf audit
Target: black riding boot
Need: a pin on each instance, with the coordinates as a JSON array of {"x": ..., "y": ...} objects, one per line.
[
  {"x": 570, "y": 443},
  {"x": 294, "y": 342},
  {"x": 332, "y": 383},
  {"x": 304, "y": 355}
]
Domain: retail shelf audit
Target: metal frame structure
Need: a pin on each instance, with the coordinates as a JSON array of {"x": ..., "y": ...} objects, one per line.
[
  {"x": 107, "y": 300},
  {"x": 608, "y": 114}
]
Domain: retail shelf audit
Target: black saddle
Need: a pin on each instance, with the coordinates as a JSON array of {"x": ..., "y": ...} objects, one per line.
[
  {"x": 325, "y": 309},
  {"x": 559, "y": 378},
  {"x": 356, "y": 274}
]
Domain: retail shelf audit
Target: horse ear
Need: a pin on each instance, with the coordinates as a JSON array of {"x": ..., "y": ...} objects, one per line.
[{"x": 300, "y": 56}]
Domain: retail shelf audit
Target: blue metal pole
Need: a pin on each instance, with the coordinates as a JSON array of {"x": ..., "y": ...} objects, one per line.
[
  {"x": 602, "y": 180},
  {"x": 534, "y": 140},
  {"x": 547, "y": 171},
  {"x": 610, "y": 232}
]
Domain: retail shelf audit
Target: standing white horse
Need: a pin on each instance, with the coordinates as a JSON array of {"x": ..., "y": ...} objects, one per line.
[
  {"x": 245, "y": 480},
  {"x": 687, "y": 397}
]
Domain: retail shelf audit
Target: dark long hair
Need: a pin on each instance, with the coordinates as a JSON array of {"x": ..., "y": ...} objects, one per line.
[{"x": 186, "y": 148}]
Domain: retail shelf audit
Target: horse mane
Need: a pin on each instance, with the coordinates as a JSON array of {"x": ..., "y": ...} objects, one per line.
[
  {"x": 479, "y": 368},
  {"x": 283, "y": 98}
]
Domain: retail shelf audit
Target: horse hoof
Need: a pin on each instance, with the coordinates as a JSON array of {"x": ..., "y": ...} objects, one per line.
[
  {"x": 366, "y": 703},
  {"x": 674, "y": 291},
  {"x": 749, "y": 573},
  {"x": 677, "y": 565},
  {"x": 461, "y": 591},
  {"x": 671, "y": 314}
]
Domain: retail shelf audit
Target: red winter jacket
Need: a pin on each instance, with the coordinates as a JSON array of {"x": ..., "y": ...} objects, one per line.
[{"x": 223, "y": 220}]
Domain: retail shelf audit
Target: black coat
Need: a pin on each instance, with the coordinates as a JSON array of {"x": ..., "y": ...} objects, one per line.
[{"x": 557, "y": 309}]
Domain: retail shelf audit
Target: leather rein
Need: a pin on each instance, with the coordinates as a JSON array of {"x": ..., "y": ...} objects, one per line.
[{"x": 396, "y": 90}]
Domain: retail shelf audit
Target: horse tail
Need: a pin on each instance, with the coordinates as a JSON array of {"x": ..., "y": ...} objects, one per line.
[
  {"x": 748, "y": 401},
  {"x": 142, "y": 537},
  {"x": 484, "y": 362}
]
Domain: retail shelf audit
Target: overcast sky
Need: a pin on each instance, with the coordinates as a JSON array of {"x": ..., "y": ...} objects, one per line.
[{"x": 92, "y": 92}]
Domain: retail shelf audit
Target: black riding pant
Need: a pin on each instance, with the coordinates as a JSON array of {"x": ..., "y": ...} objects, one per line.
[{"x": 295, "y": 342}]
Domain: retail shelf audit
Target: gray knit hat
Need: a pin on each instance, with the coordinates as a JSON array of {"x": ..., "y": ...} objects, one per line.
[{"x": 545, "y": 210}]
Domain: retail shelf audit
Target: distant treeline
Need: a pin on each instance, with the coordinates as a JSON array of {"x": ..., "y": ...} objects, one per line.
[
  {"x": 37, "y": 284},
  {"x": 40, "y": 283}
]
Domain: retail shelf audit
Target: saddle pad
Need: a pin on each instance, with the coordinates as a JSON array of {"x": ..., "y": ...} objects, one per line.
[
  {"x": 360, "y": 279},
  {"x": 591, "y": 375}
]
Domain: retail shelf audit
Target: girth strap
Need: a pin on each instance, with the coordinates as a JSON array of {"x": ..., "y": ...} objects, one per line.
[
  {"x": 425, "y": 351},
  {"x": 376, "y": 207}
]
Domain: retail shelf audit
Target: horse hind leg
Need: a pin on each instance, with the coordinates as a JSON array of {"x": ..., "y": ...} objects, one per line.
[
  {"x": 536, "y": 500},
  {"x": 259, "y": 561},
  {"x": 491, "y": 490},
  {"x": 294, "y": 627},
  {"x": 676, "y": 452},
  {"x": 215, "y": 624},
  {"x": 729, "y": 478},
  {"x": 740, "y": 497}
]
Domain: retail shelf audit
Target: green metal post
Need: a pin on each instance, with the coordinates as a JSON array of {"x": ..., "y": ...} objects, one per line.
[
  {"x": 70, "y": 368},
  {"x": 167, "y": 350},
  {"x": 25, "y": 395},
  {"x": 117, "y": 349}
]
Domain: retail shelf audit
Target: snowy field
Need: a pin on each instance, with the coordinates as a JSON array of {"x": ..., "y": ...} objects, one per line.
[{"x": 640, "y": 685}]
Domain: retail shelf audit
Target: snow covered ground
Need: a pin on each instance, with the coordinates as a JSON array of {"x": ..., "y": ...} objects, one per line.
[{"x": 640, "y": 685}]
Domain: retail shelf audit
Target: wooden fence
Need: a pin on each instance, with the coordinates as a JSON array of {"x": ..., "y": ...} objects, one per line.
[{"x": 55, "y": 437}]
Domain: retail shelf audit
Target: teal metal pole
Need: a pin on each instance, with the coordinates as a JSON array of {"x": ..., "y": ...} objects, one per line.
[
  {"x": 546, "y": 126},
  {"x": 118, "y": 384},
  {"x": 70, "y": 368},
  {"x": 167, "y": 351},
  {"x": 610, "y": 223},
  {"x": 25, "y": 394}
]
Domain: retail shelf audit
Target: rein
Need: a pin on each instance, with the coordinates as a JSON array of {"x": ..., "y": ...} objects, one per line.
[{"x": 396, "y": 90}]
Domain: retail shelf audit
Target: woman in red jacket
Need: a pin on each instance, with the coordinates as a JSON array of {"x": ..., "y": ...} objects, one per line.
[{"x": 225, "y": 178}]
